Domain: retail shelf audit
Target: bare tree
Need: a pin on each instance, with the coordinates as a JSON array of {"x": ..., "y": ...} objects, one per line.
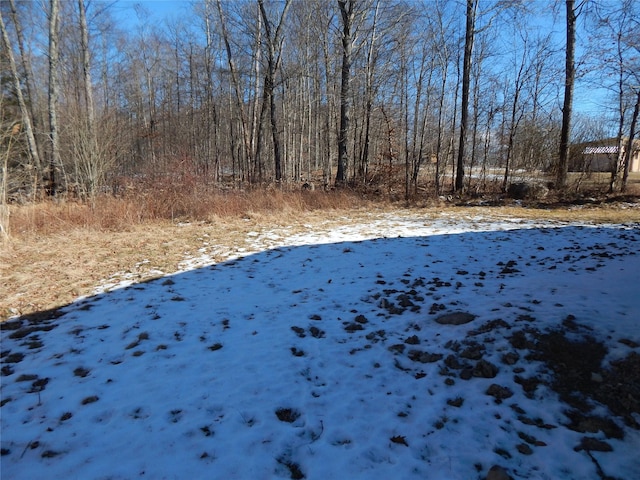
[
  {"x": 525, "y": 65},
  {"x": 629, "y": 146},
  {"x": 347, "y": 14},
  {"x": 93, "y": 169},
  {"x": 246, "y": 142},
  {"x": 633, "y": 39},
  {"x": 256, "y": 124},
  {"x": 274, "y": 57},
  {"x": 54, "y": 160},
  {"x": 443, "y": 59},
  {"x": 420, "y": 115},
  {"x": 370, "y": 85},
  {"x": 369, "y": 92},
  {"x": 36, "y": 121},
  {"x": 469, "y": 36},
  {"x": 26, "y": 117},
  {"x": 617, "y": 59},
  {"x": 569, "y": 82},
  {"x": 325, "y": 18}
]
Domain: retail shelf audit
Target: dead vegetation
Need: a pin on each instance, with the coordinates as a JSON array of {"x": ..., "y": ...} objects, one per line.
[
  {"x": 170, "y": 204},
  {"x": 58, "y": 251}
]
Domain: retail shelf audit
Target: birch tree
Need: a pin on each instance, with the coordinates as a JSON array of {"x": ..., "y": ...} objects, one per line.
[
  {"x": 24, "y": 111},
  {"x": 37, "y": 120}
]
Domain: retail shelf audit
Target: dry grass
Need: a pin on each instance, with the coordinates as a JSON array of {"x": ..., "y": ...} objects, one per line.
[
  {"x": 599, "y": 181},
  {"x": 616, "y": 213},
  {"x": 118, "y": 214},
  {"x": 59, "y": 251}
]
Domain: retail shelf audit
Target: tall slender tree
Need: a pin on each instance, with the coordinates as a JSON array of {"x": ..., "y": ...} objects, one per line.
[
  {"x": 630, "y": 142},
  {"x": 274, "y": 42},
  {"x": 54, "y": 135},
  {"x": 567, "y": 105},
  {"x": 347, "y": 14},
  {"x": 93, "y": 170},
  {"x": 246, "y": 142},
  {"x": 37, "y": 120},
  {"x": 469, "y": 36},
  {"x": 24, "y": 111}
]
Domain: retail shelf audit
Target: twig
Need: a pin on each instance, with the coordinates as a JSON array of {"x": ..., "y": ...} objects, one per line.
[{"x": 26, "y": 448}]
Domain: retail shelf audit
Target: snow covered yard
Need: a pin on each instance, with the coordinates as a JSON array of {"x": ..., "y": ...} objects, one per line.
[{"x": 396, "y": 348}]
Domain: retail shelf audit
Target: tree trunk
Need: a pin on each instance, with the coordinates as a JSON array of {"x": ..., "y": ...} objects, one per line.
[
  {"x": 347, "y": 14},
  {"x": 54, "y": 160},
  {"x": 94, "y": 170},
  {"x": 275, "y": 135},
  {"x": 563, "y": 159},
  {"x": 274, "y": 50},
  {"x": 369, "y": 91},
  {"x": 466, "y": 82},
  {"x": 26, "y": 118},
  {"x": 629, "y": 149},
  {"x": 617, "y": 166},
  {"x": 513, "y": 121},
  {"x": 441, "y": 120},
  {"x": 236, "y": 86},
  {"x": 254, "y": 141},
  {"x": 4, "y": 172},
  {"x": 37, "y": 120},
  {"x": 329, "y": 123},
  {"x": 618, "y": 163}
]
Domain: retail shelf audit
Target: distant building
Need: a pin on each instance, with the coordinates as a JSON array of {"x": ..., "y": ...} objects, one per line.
[{"x": 601, "y": 155}]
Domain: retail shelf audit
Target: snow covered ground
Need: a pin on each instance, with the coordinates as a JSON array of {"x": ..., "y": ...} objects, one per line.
[{"x": 318, "y": 355}]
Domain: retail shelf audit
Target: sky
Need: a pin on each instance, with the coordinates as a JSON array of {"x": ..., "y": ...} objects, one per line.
[
  {"x": 321, "y": 354},
  {"x": 588, "y": 100},
  {"x": 158, "y": 9}
]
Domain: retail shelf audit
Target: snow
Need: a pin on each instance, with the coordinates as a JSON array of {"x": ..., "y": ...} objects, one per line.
[{"x": 182, "y": 376}]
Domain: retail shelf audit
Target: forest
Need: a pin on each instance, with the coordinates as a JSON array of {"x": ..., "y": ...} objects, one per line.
[{"x": 405, "y": 98}]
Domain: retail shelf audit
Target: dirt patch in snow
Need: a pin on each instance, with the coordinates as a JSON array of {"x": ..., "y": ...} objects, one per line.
[{"x": 583, "y": 379}]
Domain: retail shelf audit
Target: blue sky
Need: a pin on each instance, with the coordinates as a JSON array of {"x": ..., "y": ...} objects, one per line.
[
  {"x": 158, "y": 9},
  {"x": 587, "y": 100}
]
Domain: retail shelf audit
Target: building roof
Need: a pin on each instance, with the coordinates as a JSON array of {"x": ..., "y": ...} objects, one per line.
[{"x": 606, "y": 150}]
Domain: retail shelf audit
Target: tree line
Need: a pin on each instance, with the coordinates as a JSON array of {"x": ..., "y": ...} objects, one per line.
[{"x": 413, "y": 96}]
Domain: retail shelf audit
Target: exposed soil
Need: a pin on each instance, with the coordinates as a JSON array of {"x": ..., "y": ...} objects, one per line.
[{"x": 582, "y": 380}]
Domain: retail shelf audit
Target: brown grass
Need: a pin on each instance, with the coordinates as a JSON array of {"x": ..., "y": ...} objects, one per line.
[
  {"x": 615, "y": 213},
  {"x": 122, "y": 213},
  {"x": 599, "y": 181},
  {"x": 60, "y": 251}
]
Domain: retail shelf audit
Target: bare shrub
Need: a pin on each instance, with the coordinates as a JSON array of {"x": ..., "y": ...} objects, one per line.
[{"x": 90, "y": 159}]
